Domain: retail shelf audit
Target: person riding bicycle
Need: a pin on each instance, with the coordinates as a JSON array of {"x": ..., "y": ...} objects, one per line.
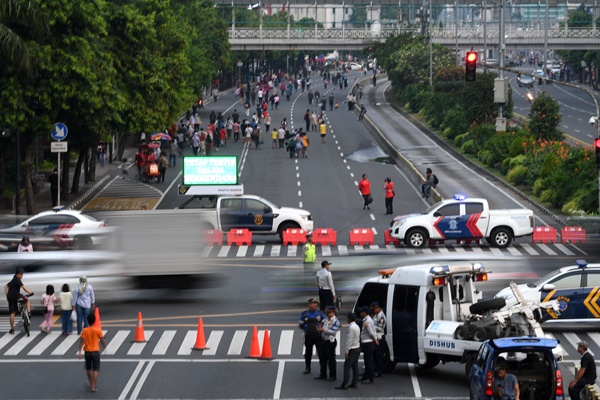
[{"x": 13, "y": 293}]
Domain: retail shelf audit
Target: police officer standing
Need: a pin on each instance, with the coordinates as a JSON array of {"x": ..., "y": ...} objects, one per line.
[
  {"x": 330, "y": 328},
  {"x": 380, "y": 323},
  {"x": 309, "y": 251},
  {"x": 311, "y": 321},
  {"x": 324, "y": 281},
  {"x": 368, "y": 341}
]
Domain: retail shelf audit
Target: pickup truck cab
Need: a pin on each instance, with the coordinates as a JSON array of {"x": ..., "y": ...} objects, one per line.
[
  {"x": 251, "y": 212},
  {"x": 463, "y": 218}
]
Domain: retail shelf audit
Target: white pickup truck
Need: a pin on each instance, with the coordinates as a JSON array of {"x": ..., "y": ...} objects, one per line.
[
  {"x": 255, "y": 213},
  {"x": 463, "y": 218}
]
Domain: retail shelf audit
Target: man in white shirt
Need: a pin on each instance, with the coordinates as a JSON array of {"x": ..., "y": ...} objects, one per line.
[
  {"x": 368, "y": 341},
  {"x": 352, "y": 354},
  {"x": 324, "y": 281}
]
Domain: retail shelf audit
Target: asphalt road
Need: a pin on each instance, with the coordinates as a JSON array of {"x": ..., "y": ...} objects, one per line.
[{"x": 268, "y": 289}]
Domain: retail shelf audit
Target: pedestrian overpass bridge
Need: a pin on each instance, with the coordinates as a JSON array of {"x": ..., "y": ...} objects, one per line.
[{"x": 516, "y": 37}]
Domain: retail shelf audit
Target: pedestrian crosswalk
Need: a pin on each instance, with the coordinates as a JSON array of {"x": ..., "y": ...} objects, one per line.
[
  {"x": 276, "y": 250},
  {"x": 222, "y": 343}
]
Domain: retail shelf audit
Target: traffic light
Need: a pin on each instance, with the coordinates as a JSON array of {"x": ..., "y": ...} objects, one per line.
[
  {"x": 471, "y": 66},
  {"x": 597, "y": 148}
]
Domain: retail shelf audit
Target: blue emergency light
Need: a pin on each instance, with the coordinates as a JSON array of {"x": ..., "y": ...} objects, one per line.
[
  {"x": 460, "y": 197},
  {"x": 581, "y": 263},
  {"x": 439, "y": 269}
]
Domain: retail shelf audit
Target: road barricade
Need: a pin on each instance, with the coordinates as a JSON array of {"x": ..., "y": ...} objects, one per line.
[
  {"x": 239, "y": 237},
  {"x": 325, "y": 236},
  {"x": 294, "y": 236},
  {"x": 572, "y": 234},
  {"x": 389, "y": 239},
  {"x": 362, "y": 236},
  {"x": 544, "y": 234},
  {"x": 213, "y": 236}
]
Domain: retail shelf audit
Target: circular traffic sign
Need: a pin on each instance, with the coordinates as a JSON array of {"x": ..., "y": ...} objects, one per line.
[{"x": 59, "y": 131}]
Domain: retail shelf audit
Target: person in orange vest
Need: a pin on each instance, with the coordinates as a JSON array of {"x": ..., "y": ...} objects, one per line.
[
  {"x": 364, "y": 186},
  {"x": 388, "y": 186}
]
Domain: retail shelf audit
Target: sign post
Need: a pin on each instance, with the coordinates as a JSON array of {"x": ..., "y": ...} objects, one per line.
[{"x": 59, "y": 132}]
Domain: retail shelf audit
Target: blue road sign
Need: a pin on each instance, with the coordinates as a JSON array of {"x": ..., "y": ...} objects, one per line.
[{"x": 59, "y": 131}]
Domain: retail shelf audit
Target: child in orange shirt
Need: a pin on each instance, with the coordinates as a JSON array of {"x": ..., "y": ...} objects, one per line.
[{"x": 90, "y": 339}]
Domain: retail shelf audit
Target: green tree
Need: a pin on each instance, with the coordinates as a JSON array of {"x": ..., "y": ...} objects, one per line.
[
  {"x": 19, "y": 21},
  {"x": 411, "y": 63},
  {"x": 544, "y": 118},
  {"x": 478, "y": 100}
]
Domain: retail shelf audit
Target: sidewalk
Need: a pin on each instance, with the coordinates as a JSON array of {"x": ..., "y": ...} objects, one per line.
[{"x": 43, "y": 200}]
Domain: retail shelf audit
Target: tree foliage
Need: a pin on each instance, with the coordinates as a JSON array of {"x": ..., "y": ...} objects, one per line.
[
  {"x": 544, "y": 118},
  {"x": 411, "y": 63}
]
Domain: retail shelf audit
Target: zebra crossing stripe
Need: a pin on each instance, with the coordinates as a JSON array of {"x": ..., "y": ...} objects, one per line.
[
  {"x": 213, "y": 343},
  {"x": 115, "y": 343},
  {"x": 410, "y": 252},
  {"x": 374, "y": 247},
  {"x": 259, "y": 250},
  {"x": 497, "y": 252},
  {"x": 564, "y": 249},
  {"x": 292, "y": 250},
  {"x": 595, "y": 337},
  {"x": 43, "y": 345},
  {"x": 285, "y": 343},
  {"x": 513, "y": 251},
  {"x": 530, "y": 249},
  {"x": 242, "y": 251},
  {"x": 21, "y": 344},
  {"x": 163, "y": 343},
  {"x": 187, "y": 344},
  {"x": 358, "y": 247},
  {"x": 137, "y": 348},
  {"x": 574, "y": 340},
  {"x": 547, "y": 249},
  {"x": 235, "y": 347},
  {"x": 206, "y": 251},
  {"x": 443, "y": 250},
  {"x": 275, "y": 250},
  {"x": 427, "y": 251},
  {"x": 6, "y": 339},
  {"x": 223, "y": 252},
  {"x": 343, "y": 250},
  {"x": 62, "y": 348},
  {"x": 326, "y": 250}
]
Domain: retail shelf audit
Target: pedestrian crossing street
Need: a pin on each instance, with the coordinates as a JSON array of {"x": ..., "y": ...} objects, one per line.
[
  {"x": 275, "y": 250},
  {"x": 220, "y": 343}
]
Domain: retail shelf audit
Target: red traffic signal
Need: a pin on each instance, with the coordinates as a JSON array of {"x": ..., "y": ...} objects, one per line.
[
  {"x": 471, "y": 66},
  {"x": 597, "y": 148}
]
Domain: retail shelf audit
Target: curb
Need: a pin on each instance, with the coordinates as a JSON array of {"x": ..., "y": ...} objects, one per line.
[{"x": 101, "y": 183}]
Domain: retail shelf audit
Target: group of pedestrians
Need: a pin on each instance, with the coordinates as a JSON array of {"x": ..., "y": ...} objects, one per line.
[{"x": 364, "y": 187}]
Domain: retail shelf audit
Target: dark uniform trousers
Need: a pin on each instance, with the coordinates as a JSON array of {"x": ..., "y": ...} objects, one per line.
[
  {"x": 351, "y": 363},
  {"x": 368, "y": 349},
  {"x": 380, "y": 355},
  {"x": 581, "y": 383},
  {"x": 317, "y": 341},
  {"x": 325, "y": 298},
  {"x": 329, "y": 350}
]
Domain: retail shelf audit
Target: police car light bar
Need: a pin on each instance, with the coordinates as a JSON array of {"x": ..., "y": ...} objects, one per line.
[
  {"x": 581, "y": 263},
  {"x": 460, "y": 197}
]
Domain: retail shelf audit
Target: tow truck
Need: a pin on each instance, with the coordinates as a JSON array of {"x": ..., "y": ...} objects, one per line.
[{"x": 435, "y": 313}]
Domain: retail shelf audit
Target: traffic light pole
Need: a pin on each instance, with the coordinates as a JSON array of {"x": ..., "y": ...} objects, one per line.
[{"x": 500, "y": 120}]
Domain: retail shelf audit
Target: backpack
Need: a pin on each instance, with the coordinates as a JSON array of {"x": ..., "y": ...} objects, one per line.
[{"x": 435, "y": 180}]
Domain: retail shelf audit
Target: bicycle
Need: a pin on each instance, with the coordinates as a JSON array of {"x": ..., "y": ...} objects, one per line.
[{"x": 22, "y": 309}]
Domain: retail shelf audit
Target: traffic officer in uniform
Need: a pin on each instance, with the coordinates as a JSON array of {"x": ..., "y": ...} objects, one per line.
[
  {"x": 311, "y": 321},
  {"x": 324, "y": 281},
  {"x": 309, "y": 251},
  {"x": 330, "y": 328},
  {"x": 380, "y": 324},
  {"x": 368, "y": 342}
]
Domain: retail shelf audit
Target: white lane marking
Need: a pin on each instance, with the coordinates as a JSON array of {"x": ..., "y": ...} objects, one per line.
[
  {"x": 242, "y": 251},
  {"x": 7, "y": 338},
  {"x": 326, "y": 250},
  {"x": 275, "y": 250},
  {"x": 443, "y": 249},
  {"x": 140, "y": 384},
  {"x": 299, "y": 183},
  {"x": 285, "y": 343},
  {"x": 115, "y": 343},
  {"x": 574, "y": 340},
  {"x": 259, "y": 250},
  {"x": 547, "y": 249},
  {"x": 351, "y": 174},
  {"x": 299, "y": 193},
  {"x": 206, "y": 251},
  {"x": 513, "y": 251},
  {"x": 65, "y": 345},
  {"x": 213, "y": 343},
  {"x": 348, "y": 167},
  {"x": 300, "y": 205},
  {"x": 530, "y": 249},
  {"x": 564, "y": 249},
  {"x": 497, "y": 252},
  {"x": 43, "y": 345},
  {"x": 235, "y": 348},
  {"x": 292, "y": 250},
  {"x": 298, "y": 175},
  {"x": 223, "y": 252},
  {"x": 132, "y": 379},
  {"x": 279, "y": 380},
  {"x": 343, "y": 250},
  {"x": 414, "y": 380},
  {"x": 137, "y": 348},
  {"x": 163, "y": 343},
  {"x": 372, "y": 217},
  {"x": 188, "y": 342}
]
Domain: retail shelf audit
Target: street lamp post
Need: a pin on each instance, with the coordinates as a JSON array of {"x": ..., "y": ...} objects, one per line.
[
  {"x": 4, "y": 134},
  {"x": 239, "y": 65}
]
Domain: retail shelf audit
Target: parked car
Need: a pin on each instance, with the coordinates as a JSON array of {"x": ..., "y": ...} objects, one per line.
[
  {"x": 355, "y": 66},
  {"x": 524, "y": 80},
  {"x": 530, "y": 359}
]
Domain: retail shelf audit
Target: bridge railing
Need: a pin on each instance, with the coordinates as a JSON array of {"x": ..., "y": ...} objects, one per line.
[
  {"x": 519, "y": 33},
  {"x": 303, "y": 34}
]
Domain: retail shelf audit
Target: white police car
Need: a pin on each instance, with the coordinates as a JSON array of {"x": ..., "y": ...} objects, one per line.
[{"x": 576, "y": 288}]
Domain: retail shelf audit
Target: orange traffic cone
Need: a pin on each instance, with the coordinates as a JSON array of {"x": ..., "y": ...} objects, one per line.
[
  {"x": 254, "y": 349},
  {"x": 139, "y": 330},
  {"x": 267, "y": 354},
  {"x": 97, "y": 324},
  {"x": 200, "y": 341}
]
